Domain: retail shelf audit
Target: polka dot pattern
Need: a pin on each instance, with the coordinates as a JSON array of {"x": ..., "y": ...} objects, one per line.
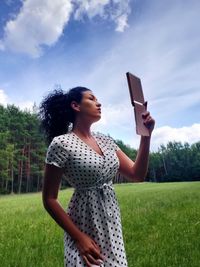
[{"x": 94, "y": 206}]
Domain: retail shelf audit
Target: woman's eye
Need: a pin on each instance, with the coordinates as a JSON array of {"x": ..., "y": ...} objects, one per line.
[{"x": 92, "y": 98}]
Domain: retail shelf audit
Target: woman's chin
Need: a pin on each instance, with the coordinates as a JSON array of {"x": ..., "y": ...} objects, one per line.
[{"x": 97, "y": 118}]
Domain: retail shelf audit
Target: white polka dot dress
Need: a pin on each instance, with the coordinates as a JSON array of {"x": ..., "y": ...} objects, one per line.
[{"x": 93, "y": 207}]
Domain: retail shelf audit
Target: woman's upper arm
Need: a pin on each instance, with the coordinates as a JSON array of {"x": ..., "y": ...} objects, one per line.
[
  {"x": 126, "y": 165},
  {"x": 51, "y": 183}
]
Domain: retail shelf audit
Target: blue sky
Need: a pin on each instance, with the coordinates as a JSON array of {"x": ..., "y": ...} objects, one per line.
[{"x": 93, "y": 43}]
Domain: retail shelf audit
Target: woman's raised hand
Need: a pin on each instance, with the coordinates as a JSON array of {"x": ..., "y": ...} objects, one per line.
[
  {"x": 148, "y": 121},
  {"x": 89, "y": 250}
]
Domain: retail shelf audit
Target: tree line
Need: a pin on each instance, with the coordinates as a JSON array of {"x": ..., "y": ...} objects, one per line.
[
  {"x": 23, "y": 149},
  {"x": 171, "y": 163}
]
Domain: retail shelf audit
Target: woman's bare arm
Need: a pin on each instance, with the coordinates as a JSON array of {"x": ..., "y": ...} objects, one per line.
[
  {"x": 136, "y": 171},
  {"x": 52, "y": 179},
  {"x": 89, "y": 250}
]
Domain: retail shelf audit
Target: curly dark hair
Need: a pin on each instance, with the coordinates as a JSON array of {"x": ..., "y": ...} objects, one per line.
[{"x": 56, "y": 113}]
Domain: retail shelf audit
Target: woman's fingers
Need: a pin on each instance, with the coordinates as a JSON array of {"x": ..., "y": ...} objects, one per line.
[
  {"x": 145, "y": 114},
  {"x": 89, "y": 250},
  {"x": 93, "y": 257},
  {"x": 148, "y": 121},
  {"x": 99, "y": 256},
  {"x": 96, "y": 254},
  {"x": 93, "y": 260},
  {"x": 86, "y": 261},
  {"x": 94, "y": 243}
]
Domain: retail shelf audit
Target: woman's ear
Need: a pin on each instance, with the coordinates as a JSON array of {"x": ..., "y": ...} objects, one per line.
[{"x": 75, "y": 106}]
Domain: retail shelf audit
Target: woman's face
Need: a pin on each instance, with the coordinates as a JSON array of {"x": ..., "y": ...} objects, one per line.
[{"x": 89, "y": 106}]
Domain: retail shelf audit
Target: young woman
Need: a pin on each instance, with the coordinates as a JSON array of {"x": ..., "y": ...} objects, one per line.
[{"x": 92, "y": 223}]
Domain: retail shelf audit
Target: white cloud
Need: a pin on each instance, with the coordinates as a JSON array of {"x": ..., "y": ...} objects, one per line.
[
  {"x": 23, "y": 104},
  {"x": 91, "y": 8},
  {"x": 3, "y": 97},
  {"x": 120, "y": 14},
  {"x": 122, "y": 23},
  {"x": 163, "y": 135},
  {"x": 113, "y": 116},
  {"x": 114, "y": 10},
  {"x": 39, "y": 22}
]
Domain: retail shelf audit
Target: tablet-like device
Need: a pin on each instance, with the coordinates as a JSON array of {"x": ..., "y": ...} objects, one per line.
[{"x": 138, "y": 102}]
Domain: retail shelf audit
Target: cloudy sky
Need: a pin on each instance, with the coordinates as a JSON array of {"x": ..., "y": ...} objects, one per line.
[{"x": 93, "y": 43}]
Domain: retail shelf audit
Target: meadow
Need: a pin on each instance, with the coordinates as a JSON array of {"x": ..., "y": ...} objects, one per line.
[{"x": 161, "y": 227}]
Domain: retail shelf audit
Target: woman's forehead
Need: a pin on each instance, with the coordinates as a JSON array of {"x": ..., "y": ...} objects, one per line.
[{"x": 88, "y": 93}]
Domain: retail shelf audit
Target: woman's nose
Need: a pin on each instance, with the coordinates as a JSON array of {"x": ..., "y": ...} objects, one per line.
[{"x": 98, "y": 104}]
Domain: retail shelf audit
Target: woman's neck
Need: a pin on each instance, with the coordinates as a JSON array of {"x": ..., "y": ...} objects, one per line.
[{"x": 82, "y": 129}]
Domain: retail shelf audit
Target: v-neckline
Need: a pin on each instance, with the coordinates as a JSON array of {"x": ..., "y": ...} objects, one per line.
[{"x": 93, "y": 134}]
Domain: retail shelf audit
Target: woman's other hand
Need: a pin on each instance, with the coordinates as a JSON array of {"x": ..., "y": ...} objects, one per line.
[{"x": 89, "y": 250}]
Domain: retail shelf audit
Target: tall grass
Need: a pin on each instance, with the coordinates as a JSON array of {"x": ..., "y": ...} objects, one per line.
[{"x": 161, "y": 227}]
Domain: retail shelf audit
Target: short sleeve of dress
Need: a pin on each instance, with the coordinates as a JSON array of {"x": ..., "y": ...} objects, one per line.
[
  {"x": 56, "y": 154},
  {"x": 112, "y": 144}
]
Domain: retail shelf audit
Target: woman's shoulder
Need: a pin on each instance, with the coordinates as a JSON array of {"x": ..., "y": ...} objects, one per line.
[
  {"x": 105, "y": 137},
  {"x": 99, "y": 134},
  {"x": 62, "y": 139}
]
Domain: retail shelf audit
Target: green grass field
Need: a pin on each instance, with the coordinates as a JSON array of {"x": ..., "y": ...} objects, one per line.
[{"x": 161, "y": 227}]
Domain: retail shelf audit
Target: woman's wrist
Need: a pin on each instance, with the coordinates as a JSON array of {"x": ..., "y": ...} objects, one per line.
[{"x": 146, "y": 138}]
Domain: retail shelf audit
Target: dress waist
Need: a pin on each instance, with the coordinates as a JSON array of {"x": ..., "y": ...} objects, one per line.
[
  {"x": 106, "y": 193},
  {"x": 108, "y": 185}
]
